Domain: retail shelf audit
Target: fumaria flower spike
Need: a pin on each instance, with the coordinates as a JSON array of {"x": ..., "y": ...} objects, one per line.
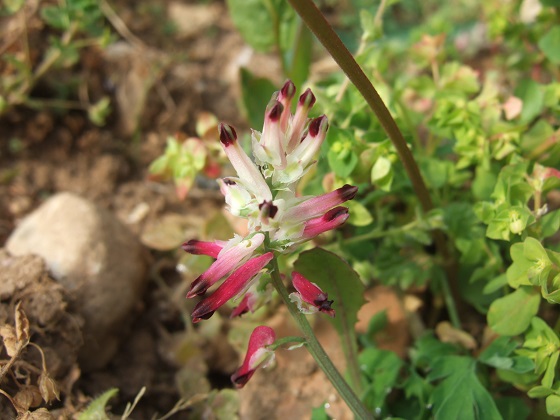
[{"x": 264, "y": 192}]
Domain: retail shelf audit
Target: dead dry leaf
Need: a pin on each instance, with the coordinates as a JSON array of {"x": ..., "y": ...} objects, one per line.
[
  {"x": 8, "y": 334},
  {"x": 48, "y": 387},
  {"x": 27, "y": 397},
  {"x": 449, "y": 334},
  {"x": 22, "y": 326}
]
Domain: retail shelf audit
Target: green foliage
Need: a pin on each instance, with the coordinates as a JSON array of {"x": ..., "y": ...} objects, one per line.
[
  {"x": 271, "y": 26},
  {"x": 485, "y": 139},
  {"x": 381, "y": 370},
  {"x": 459, "y": 393},
  {"x": 96, "y": 410},
  {"x": 512, "y": 314},
  {"x": 72, "y": 25},
  {"x": 255, "y": 92}
]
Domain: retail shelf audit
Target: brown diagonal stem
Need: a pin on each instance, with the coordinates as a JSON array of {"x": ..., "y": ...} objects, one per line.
[{"x": 317, "y": 23}]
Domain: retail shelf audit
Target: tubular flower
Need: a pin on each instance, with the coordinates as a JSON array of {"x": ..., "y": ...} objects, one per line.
[
  {"x": 309, "y": 297},
  {"x": 257, "y": 355},
  {"x": 234, "y": 254},
  {"x": 234, "y": 285},
  {"x": 263, "y": 192}
]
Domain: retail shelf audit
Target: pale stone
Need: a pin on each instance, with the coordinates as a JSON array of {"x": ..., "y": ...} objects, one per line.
[{"x": 97, "y": 260}]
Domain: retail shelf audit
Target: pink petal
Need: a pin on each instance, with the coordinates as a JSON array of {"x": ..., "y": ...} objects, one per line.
[
  {"x": 330, "y": 220},
  {"x": 195, "y": 247},
  {"x": 227, "y": 261},
  {"x": 308, "y": 148},
  {"x": 319, "y": 205},
  {"x": 285, "y": 98},
  {"x": 261, "y": 337},
  {"x": 231, "y": 287},
  {"x": 305, "y": 103},
  {"x": 245, "y": 168},
  {"x": 312, "y": 294}
]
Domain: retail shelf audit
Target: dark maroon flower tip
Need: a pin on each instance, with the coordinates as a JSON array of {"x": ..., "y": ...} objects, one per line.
[
  {"x": 228, "y": 136},
  {"x": 347, "y": 192},
  {"x": 198, "y": 287},
  {"x": 270, "y": 209},
  {"x": 191, "y": 246},
  {"x": 325, "y": 307},
  {"x": 335, "y": 213},
  {"x": 276, "y": 112},
  {"x": 288, "y": 90},
  {"x": 307, "y": 99},
  {"x": 240, "y": 380},
  {"x": 195, "y": 247},
  {"x": 202, "y": 311},
  {"x": 229, "y": 181},
  {"x": 318, "y": 124}
]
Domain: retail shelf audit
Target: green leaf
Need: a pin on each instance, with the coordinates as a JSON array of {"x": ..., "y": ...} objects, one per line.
[
  {"x": 342, "y": 284},
  {"x": 299, "y": 55},
  {"x": 539, "y": 391},
  {"x": 359, "y": 215},
  {"x": 96, "y": 409},
  {"x": 532, "y": 95},
  {"x": 550, "y": 44},
  {"x": 382, "y": 173},
  {"x": 553, "y": 405},
  {"x": 550, "y": 224},
  {"x": 499, "y": 355},
  {"x": 428, "y": 348},
  {"x": 381, "y": 368},
  {"x": 342, "y": 160},
  {"x": 255, "y": 94},
  {"x": 460, "y": 395},
  {"x": 550, "y": 373},
  {"x": 319, "y": 413},
  {"x": 256, "y": 21},
  {"x": 55, "y": 17},
  {"x": 513, "y": 408},
  {"x": 512, "y": 314}
]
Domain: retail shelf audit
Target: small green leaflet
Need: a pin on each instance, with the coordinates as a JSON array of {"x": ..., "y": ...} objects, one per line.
[{"x": 460, "y": 395}]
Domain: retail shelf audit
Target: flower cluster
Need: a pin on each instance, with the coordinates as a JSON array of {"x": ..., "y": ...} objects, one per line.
[{"x": 264, "y": 192}]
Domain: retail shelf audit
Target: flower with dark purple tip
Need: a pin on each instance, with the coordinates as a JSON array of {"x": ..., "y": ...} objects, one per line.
[
  {"x": 235, "y": 253},
  {"x": 258, "y": 355},
  {"x": 330, "y": 220},
  {"x": 235, "y": 284},
  {"x": 309, "y": 297},
  {"x": 195, "y": 247},
  {"x": 319, "y": 205}
]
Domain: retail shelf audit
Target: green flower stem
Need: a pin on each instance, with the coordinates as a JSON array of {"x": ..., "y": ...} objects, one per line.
[
  {"x": 450, "y": 304},
  {"x": 317, "y": 351},
  {"x": 287, "y": 340},
  {"x": 376, "y": 234},
  {"x": 317, "y": 23}
]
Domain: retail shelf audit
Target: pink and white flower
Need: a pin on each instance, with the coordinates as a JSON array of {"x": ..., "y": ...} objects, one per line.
[
  {"x": 310, "y": 298},
  {"x": 264, "y": 193},
  {"x": 258, "y": 355}
]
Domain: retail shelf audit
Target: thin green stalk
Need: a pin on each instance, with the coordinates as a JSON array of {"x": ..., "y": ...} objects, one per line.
[
  {"x": 379, "y": 233},
  {"x": 450, "y": 304},
  {"x": 317, "y": 351}
]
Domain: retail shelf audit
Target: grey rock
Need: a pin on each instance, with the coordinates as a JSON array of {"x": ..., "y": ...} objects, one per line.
[{"x": 98, "y": 261}]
